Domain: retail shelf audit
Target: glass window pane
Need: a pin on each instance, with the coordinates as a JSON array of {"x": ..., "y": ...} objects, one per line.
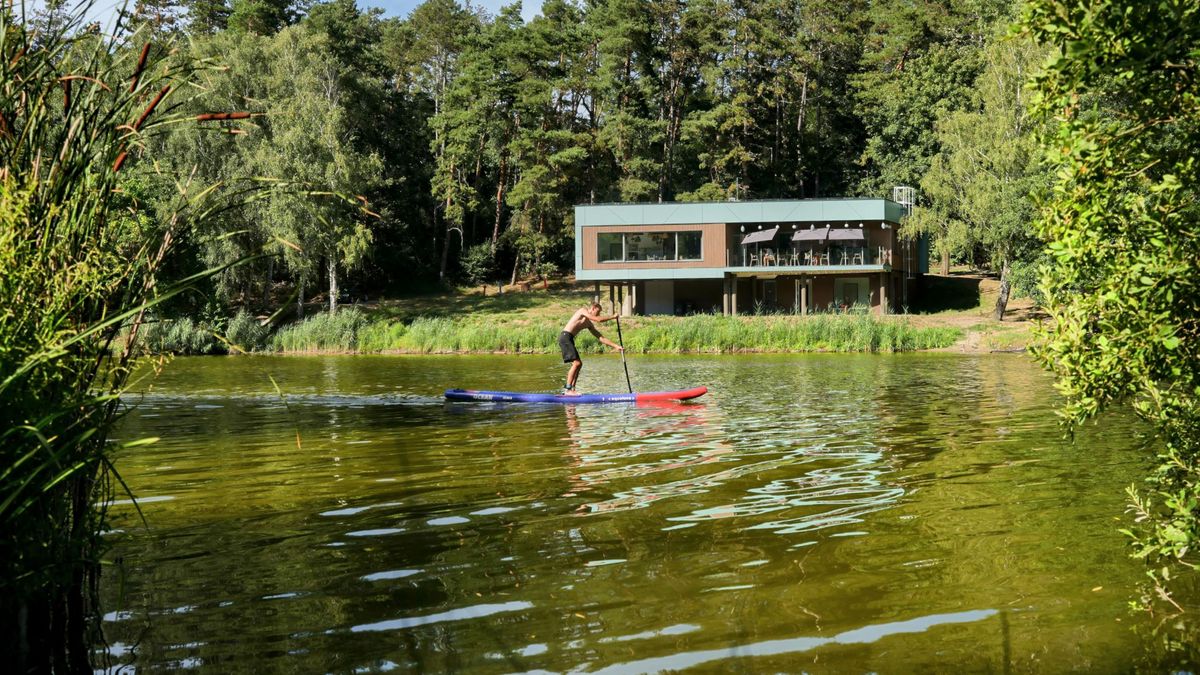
[
  {"x": 689, "y": 246},
  {"x": 609, "y": 246},
  {"x": 650, "y": 246}
]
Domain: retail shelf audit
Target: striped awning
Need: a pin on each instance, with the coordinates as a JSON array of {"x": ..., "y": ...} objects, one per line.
[
  {"x": 814, "y": 235},
  {"x": 760, "y": 236},
  {"x": 846, "y": 234}
]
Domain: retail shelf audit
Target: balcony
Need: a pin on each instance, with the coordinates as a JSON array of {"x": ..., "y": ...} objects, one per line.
[{"x": 801, "y": 259}]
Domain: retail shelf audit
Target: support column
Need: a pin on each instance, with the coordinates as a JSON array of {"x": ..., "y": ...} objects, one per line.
[
  {"x": 597, "y": 293},
  {"x": 612, "y": 297},
  {"x": 725, "y": 296},
  {"x": 883, "y": 293},
  {"x": 796, "y": 281},
  {"x": 625, "y": 299},
  {"x": 733, "y": 297},
  {"x": 806, "y": 301}
]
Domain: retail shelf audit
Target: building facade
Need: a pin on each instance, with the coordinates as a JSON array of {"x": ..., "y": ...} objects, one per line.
[{"x": 751, "y": 256}]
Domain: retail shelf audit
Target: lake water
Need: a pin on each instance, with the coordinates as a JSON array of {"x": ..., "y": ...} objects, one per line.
[{"x": 830, "y": 513}]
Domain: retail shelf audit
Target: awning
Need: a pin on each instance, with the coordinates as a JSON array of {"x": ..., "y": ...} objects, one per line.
[
  {"x": 760, "y": 236},
  {"x": 816, "y": 235},
  {"x": 846, "y": 234}
]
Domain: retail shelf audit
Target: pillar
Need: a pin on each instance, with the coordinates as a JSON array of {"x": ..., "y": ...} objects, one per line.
[
  {"x": 796, "y": 281},
  {"x": 725, "y": 296},
  {"x": 733, "y": 297},
  {"x": 883, "y": 293}
]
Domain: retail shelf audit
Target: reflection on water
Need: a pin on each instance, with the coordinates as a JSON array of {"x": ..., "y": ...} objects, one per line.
[{"x": 830, "y": 512}]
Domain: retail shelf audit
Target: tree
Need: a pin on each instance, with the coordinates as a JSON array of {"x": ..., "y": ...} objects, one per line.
[
  {"x": 435, "y": 35},
  {"x": 1122, "y": 100},
  {"x": 206, "y": 17},
  {"x": 312, "y": 141},
  {"x": 261, "y": 17},
  {"x": 162, "y": 16},
  {"x": 919, "y": 63},
  {"x": 981, "y": 181}
]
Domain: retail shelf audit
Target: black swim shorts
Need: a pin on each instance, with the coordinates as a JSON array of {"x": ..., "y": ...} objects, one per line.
[{"x": 566, "y": 342}]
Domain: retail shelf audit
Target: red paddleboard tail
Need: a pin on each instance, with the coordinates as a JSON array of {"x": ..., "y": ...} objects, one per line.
[{"x": 683, "y": 395}]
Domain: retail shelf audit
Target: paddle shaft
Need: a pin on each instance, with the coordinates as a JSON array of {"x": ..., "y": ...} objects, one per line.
[{"x": 621, "y": 341}]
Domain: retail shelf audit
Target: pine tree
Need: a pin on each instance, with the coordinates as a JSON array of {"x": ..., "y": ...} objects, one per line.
[{"x": 206, "y": 17}]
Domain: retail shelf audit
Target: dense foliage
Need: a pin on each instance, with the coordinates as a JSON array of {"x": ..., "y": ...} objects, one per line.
[
  {"x": 1123, "y": 224},
  {"x": 460, "y": 128}
]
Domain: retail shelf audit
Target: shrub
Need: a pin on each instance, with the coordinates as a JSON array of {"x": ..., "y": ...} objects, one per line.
[
  {"x": 478, "y": 263},
  {"x": 179, "y": 336},
  {"x": 247, "y": 333},
  {"x": 323, "y": 332}
]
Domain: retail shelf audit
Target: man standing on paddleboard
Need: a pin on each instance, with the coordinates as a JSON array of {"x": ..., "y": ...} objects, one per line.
[{"x": 586, "y": 317}]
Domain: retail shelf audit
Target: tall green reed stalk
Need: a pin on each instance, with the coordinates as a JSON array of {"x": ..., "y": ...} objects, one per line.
[{"x": 79, "y": 260}]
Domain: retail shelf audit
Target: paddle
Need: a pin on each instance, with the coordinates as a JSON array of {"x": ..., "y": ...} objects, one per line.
[{"x": 621, "y": 341}]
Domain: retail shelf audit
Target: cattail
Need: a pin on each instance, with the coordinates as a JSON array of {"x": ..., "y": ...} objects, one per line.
[
  {"x": 221, "y": 116},
  {"x": 150, "y": 108},
  {"x": 141, "y": 65},
  {"x": 66, "y": 85},
  {"x": 120, "y": 160}
]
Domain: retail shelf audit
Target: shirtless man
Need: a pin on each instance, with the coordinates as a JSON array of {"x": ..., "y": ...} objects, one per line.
[{"x": 586, "y": 317}]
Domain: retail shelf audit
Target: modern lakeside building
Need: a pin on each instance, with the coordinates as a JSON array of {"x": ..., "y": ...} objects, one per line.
[{"x": 798, "y": 256}]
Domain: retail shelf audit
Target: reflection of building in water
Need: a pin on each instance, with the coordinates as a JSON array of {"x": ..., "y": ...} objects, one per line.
[
  {"x": 794, "y": 479},
  {"x": 661, "y": 427}
]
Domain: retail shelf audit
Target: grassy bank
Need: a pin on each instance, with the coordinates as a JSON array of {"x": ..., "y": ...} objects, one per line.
[
  {"x": 520, "y": 321},
  {"x": 354, "y": 331}
]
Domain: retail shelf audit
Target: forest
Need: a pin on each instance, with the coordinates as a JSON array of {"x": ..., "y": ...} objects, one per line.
[{"x": 470, "y": 136}]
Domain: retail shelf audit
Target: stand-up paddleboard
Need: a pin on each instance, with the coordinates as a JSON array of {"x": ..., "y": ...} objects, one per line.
[{"x": 518, "y": 397}]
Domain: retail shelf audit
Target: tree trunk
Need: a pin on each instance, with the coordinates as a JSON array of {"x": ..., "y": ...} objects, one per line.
[
  {"x": 445, "y": 247},
  {"x": 499, "y": 201},
  {"x": 266, "y": 298},
  {"x": 333, "y": 286},
  {"x": 516, "y": 266},
  {"x": 300, "y": 302},
  {"x": 945, "y": 262},
  {"x": 1002, "y": 299}
]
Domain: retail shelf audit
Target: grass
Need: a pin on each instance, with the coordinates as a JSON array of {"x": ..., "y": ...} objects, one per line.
[{"x": 353, "y": 331}]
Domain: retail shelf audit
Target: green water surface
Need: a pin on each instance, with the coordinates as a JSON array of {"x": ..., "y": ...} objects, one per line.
[{"x": 820, "y": 513}]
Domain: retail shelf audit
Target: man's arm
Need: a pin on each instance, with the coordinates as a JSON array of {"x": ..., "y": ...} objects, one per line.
[
  {"x": 604, "y": 340},
  {"x": 596, "y": 318}
]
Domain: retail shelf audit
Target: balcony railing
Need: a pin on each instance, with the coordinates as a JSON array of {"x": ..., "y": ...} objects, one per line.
[{"x": 834, "y": 256}]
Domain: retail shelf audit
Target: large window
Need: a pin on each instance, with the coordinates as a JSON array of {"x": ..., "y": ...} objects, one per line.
[
  {"x": 648, "y": 246},
  {"x": 688, "y": 245},
  {"x": 611, "y": 247}
]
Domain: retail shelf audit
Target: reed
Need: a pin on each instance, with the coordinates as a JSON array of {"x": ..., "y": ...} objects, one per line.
[
  {"x": 79, "y": 260},
  {"x": 352, "y": 331},
  {"x": 337, "y": 332}
]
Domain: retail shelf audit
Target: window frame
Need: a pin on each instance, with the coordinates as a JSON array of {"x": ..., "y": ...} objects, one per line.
[{"x": 625, "y": 247}]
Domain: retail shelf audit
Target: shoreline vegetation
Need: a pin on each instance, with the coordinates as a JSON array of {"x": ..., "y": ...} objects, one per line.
[{"x": 468, "y": 321}]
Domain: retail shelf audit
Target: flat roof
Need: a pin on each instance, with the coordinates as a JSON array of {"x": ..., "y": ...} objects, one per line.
[{"x": 750, "y": 211}]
